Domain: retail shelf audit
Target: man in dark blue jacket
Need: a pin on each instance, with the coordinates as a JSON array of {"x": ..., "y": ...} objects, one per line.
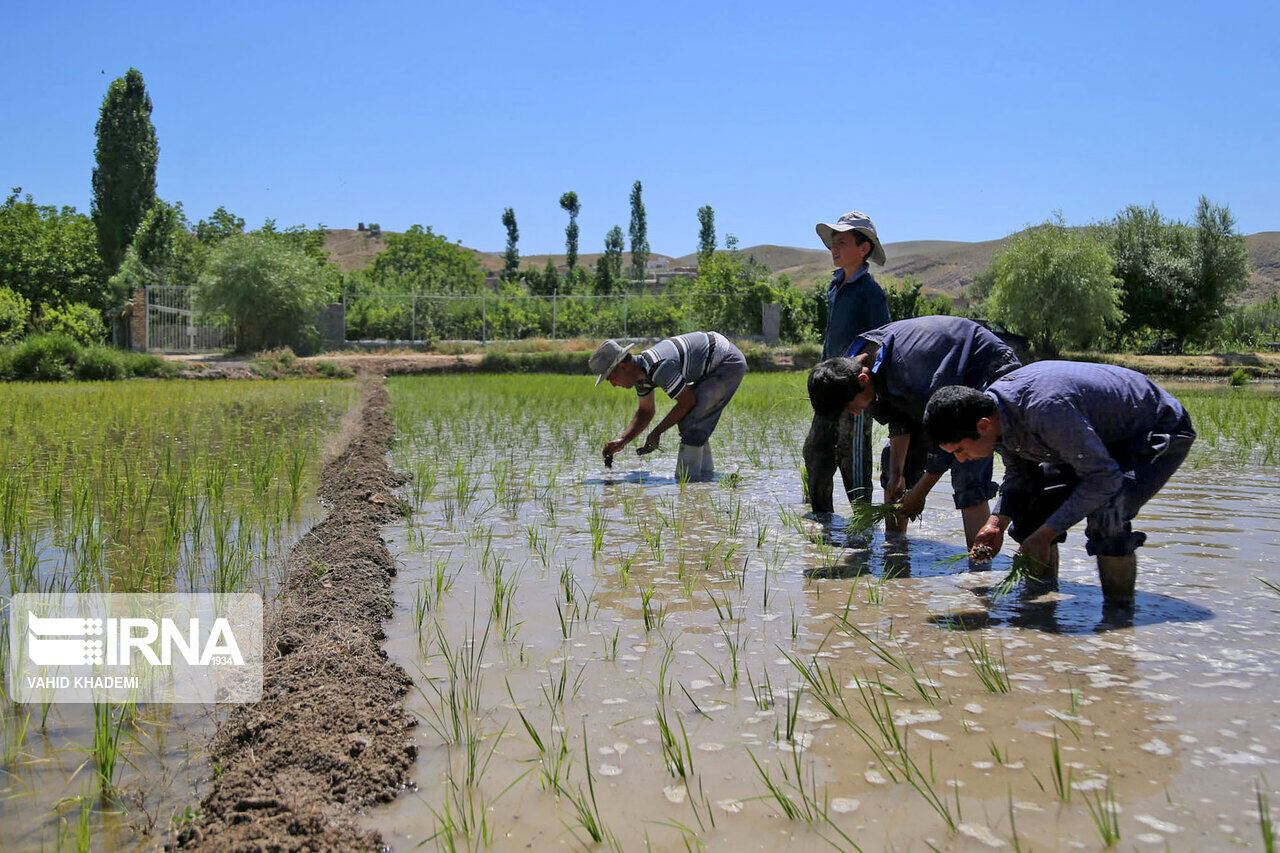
[
  {"x": 855, "y": 303},
  {"x": 1079, "y": 441},
  {"x": 892, "y": 372}
]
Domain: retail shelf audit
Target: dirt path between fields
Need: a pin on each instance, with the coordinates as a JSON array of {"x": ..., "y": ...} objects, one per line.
[{"x": 330, "y": 735}]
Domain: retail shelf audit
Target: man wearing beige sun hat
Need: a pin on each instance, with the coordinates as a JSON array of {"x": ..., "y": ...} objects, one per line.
[
  {"x": 855, "y": 304},
  {"x": 700, "y": 371}
]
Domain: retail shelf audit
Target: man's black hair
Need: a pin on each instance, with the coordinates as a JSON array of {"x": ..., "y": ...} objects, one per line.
[
  {"x": 833, "y": 383},
  {"x": 953, "y": 412}
]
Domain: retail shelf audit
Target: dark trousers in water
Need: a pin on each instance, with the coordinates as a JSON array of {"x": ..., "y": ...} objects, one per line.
[{"x": 842, "y": 443}]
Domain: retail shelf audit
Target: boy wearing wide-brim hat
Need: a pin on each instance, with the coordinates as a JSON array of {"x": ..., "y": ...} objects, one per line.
[
  {"x": 855, "y": 304},
  {"x": 700, "y": 371}
]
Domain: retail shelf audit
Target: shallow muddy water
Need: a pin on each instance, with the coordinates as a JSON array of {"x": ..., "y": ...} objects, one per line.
[
  {"x": 51, "y": 783},
  {"x": 890, "y": 696},
  {"x": 164, "y": 487}
]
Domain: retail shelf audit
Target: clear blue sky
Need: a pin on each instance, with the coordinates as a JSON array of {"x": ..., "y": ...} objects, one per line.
[{"x": 941, "y": 121}]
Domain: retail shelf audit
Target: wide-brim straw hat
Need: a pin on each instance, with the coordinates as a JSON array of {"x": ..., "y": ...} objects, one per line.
[
  {"x": 854, "y": 221},
  {"x": 606, "y": 357}
]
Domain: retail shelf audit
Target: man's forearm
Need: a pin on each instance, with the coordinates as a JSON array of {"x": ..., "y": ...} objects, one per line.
[
  {"x": 898, "y": 446},
  {"x": 677, "y": 413},
  {"x": 638, "y": 423}
]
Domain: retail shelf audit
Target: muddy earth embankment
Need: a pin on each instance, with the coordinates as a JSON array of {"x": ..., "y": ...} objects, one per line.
[{"x": 330, "y": 734}]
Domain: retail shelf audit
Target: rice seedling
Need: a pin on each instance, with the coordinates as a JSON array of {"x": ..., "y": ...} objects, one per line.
[
  {"x": 1021, "y": 570},
  {"x": 863, "y": 516},
  {"x": 724, "y": 609},
  {"x": 677, "y": 755},
  {"x": 457, "y": 705},
  {"x": 558, "y": 686},
  {"x": 791, "y": 716},
  {"x": 792, "y": 520},
  {"x": 596, "y": 523},
  {"x": 611, "y": 646},
  {"x": 585, "y": 807},
  {"x": 13, "y": 733},
  {"x": 422, "y": 484},
  {"x": 1264, "y": 816},
  {"x": 873, "y": 590},
  {"x": 625, "y": 565},
  {"x": 762, "y": 693},
  {"x": 1106, "y": 815},
  {"x": 1059, "y": 773},
  {"x": 653, "y": 615},
  {"x": 924, "y": 686},
  {"x": 993, "y": 674},
  {"x": 106, "y": 746},
  {"x": 502, "y": 607},
  {"x": 810, "y": 808}
]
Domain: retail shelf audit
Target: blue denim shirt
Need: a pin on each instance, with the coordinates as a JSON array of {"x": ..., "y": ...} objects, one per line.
[
  {"x": 853, "y": 307},
  {"x": 1067, "y": 413},
  {"x": 917, "y": 357}
]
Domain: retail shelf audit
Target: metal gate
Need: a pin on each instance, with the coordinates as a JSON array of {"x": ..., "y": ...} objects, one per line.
[{"x": 173, "y": 325}]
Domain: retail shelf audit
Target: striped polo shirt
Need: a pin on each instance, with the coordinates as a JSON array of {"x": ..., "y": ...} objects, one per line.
[{"x": 677, "y": 362}]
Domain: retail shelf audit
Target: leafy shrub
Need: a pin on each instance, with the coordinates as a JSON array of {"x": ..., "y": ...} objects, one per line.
[
  {"x": 44, "y": 358},
  {"x": 142, "y": 364},
  {"x": 333, "y": 371},
  {"x": 55, "y": 357},
  {"x": 14, "y": 311},
  {"x": 1238, "y": 377},
  {"x": 78, "y": 321},
  {"x": 271, "y": 290}
]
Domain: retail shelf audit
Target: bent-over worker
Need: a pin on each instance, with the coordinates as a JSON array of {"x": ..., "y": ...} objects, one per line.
[{"x": 700, "y": 371}]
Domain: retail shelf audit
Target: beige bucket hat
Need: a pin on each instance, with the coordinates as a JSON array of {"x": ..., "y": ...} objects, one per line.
[
  {"x": 606, "y": 357},
  {"x": 854, "y": 221}
]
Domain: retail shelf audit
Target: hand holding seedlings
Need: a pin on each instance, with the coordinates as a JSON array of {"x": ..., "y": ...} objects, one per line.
[
  {"x": 986, "y": 544},
  {"x": 611, "y": 448},
  {"x": 981, "y": 553},
  {"x": 650, "y": 445}
]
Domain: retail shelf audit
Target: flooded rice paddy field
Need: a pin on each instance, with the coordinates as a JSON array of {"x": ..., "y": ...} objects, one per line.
[
  {"x": 611, "y": 656},
  {"x": 127, "y": 487}
]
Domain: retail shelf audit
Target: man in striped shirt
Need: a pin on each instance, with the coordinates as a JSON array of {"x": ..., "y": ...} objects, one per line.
[{"x": 700, "y": 371}]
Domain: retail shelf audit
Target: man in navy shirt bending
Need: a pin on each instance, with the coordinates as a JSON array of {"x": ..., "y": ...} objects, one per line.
[
  {"x": 892, "y": 373},
  {"x": 1079, "y": 441}
]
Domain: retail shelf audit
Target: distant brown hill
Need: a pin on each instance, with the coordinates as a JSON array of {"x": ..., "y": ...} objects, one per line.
[{"x": 941, "y": 266}]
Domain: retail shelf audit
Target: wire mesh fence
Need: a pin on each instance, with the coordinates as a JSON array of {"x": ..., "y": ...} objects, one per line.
[{"x": 409, "y": 317}]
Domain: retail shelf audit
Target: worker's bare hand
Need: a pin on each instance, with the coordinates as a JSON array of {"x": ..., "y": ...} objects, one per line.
[
  {"x": 611, "y": 448},
  {"x": 1036, "y": 546},
  {"x": 895, "y": 490},
  {"x": 912, "y": 504},
  {"x": 650, "y": 444},
  {"x": 988, "y": 541}
]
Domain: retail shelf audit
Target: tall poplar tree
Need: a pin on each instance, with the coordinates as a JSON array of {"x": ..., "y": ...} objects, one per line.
[
  {"x": 706, "y": 232},
  {"x": 609, "y": 267},
  {"x": 124, "y": 177},
  {"x": 569, "y": 201},
  {"x": 639, "y": 231},
  {"x": 511, "y": 258}
]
